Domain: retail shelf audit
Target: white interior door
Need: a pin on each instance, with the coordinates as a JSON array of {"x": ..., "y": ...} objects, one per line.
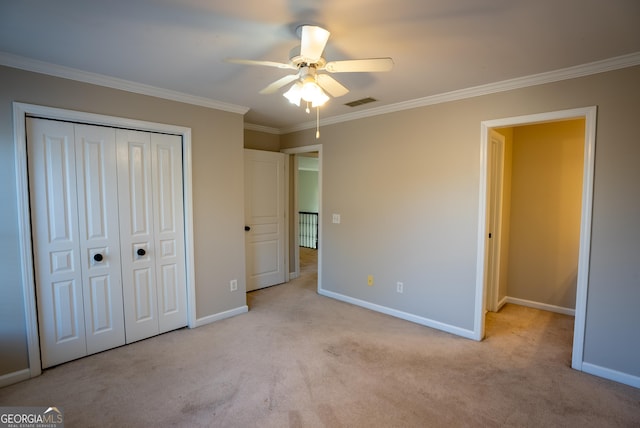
[
  {"x": 495, "y": 167},
  {"x": 265, "y": 218},
  {"x": 99, "y": 237}
]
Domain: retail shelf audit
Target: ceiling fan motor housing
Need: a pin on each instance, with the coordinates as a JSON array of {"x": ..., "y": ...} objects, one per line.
[
  {"x": 299, "y": 61},
  {"x": 308, "y": 72}
]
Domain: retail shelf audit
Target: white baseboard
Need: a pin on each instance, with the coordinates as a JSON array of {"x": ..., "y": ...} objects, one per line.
[
  {"x": 220, "y": 316},
  {"x": 542, "y": 306},
  {"x": 502, "y": 302},
  {"x": 293, "y": 275},
  {"x": 469, "y": 334},
  {"x": 15, "y": 377},
  {"x": 610, "y": 374}
]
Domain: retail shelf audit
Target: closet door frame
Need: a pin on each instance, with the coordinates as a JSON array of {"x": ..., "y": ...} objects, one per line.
[{"x": 20, "y": 112}]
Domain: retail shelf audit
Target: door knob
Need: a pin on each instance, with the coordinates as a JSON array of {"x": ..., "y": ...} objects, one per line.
[
  {"x": 247, "y": 228},
  {"x": 97, "y": 257},
  {"x": 141, "y": 252}
]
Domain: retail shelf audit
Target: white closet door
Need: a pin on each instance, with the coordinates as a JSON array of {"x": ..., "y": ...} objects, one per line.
[
  {"x": 136, "y": 234},
  {"x": 108, "y": 234},
  {"x": 99, "y": 236},
  {"x": 169, "y": 252},
  {"x": 57, "y": 259}
]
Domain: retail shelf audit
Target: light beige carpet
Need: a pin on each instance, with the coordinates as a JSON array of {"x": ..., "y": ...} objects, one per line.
[{"x": 298, "y": 359}]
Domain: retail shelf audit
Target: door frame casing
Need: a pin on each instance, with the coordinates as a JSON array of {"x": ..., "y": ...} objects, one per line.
[
  {"x": 589, "y": 114},
  {"x": 20, "y": 111}
]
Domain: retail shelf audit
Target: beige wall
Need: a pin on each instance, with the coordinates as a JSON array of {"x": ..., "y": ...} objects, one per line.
[
  {"x": 407, "y": 184},
  {"x": 546, "y": 198},
  {"x": 218, "y": 203},
  {"x": 258, "y": 140}
]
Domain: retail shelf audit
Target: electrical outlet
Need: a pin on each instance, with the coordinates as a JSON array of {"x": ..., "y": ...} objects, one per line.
[
  {"x": 233, "y": 285},
  {"x": 370, "y": 280},
  {"x": 335, "y": 218},
  {"x": 400, "y": 287}
]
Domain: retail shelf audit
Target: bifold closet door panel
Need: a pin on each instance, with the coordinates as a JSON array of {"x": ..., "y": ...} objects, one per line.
[
  {"x": 152, "y": 232},
  {"x": 99, "y": 233},
  {"x": 136, "y": 234},
  {"x": 56, "y": 247},
  {"x": 169, "y": 231}
]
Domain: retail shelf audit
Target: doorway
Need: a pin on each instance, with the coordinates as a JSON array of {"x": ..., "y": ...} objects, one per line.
[
  {"x": 294, "y": 224},
  {"x": 307, "y": 208},
  {"x": 486, "y": 255}
]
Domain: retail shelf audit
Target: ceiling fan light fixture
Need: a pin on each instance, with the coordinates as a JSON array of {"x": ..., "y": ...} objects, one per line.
[
  {"x": 294, "y": 94},
  {"x": 311, "y": 91},
  {"x": 307, "y": 90},
  {"x": 319, "y": 99}
]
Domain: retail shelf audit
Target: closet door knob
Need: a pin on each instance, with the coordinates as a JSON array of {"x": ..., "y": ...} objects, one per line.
[
  {"x": 98, "y": 257},
  {"x": 141, "y": 252}
]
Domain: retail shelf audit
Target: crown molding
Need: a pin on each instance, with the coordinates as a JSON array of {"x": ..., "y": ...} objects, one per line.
[
  {"x": 28, "y": 64},
  {"x": 615, "y": 63},
  {"x": 588, "y": 69},
  {"x": 261, "y": 128}
]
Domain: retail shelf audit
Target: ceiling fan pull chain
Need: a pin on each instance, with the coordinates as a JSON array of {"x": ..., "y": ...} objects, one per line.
[{"x": 317, "y": 123}]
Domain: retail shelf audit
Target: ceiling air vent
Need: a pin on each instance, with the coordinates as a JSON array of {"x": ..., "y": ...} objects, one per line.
[{"x": 360, "y": 102}]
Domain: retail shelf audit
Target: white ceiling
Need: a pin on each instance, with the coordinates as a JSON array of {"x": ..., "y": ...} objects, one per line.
[{"x": 437, "y": 45}]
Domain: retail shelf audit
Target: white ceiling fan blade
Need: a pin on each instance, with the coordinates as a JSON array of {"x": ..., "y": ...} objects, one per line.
[
  {"x": 279, "y": 84},
  {"x": 331, "y": 85},
  {"x": 263, "y": 63},
  {"x": 360, "y": 65},
  {"x": 314, "y": 40}
]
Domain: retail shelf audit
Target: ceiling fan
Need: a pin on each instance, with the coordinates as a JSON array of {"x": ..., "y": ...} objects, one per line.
[{"x": 310, "y": 84}]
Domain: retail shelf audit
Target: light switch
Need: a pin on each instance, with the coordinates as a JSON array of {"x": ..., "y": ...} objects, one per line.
[{"x": 336, "y": 218}]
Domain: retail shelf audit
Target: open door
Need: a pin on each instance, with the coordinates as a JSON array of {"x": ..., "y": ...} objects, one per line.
[
  {"x": 495, "y": 167},
  {"x": 265, "y": 207}
]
